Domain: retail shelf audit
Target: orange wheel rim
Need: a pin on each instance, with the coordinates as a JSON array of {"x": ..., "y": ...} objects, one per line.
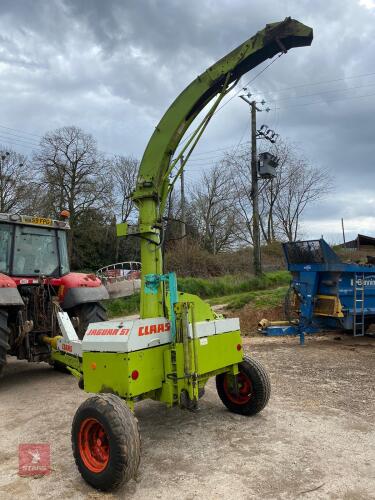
[
  {"x": 245, "y": 389},
  {"x": 93, "y": 445}
]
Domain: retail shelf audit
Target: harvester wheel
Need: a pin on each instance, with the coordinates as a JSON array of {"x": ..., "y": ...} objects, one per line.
[
  {"x": 92, "y": 312},
  {"x": 106, "y": 442},
  {"x": 60, "y": 367},
  {"x": 4, "y": 337},
  {"x": 249, "y": 393}
]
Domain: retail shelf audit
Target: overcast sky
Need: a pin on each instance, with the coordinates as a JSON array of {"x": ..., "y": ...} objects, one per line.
[{"x": 113, "y": 67}]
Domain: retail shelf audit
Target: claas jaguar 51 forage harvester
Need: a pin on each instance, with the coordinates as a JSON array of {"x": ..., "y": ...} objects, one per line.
[{"x": 178, "y": 343}]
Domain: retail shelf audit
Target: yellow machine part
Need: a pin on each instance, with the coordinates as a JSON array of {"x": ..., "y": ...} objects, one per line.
[
  {"x": 265, "y": 323},
  {"x": 328, "y": 305},
  {"x": 52, "y": 341}
]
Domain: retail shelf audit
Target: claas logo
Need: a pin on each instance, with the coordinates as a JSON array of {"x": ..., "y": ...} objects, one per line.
[
  {"x": 149, "y": 329},
  {"x": 67, "y": 347}
]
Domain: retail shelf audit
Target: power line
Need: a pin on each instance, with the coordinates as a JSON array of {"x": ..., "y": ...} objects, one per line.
[
  {"x": 16, "y": 141},
  {"x": 327, "y": 102},
  {"x": 238, "y": 91},
  {"x": 30, "y": 142},
  {"x": 212, "y": 151},
  {"x": 19, "y": 137},
  {"x": 234, "y": 150},
  {"x": 22, "y": 131},
  {"x": 323, "y": 92},
  {"x": 313, "y": 84},
  {"x": 250, "y": 81},
  {"x": 205, "y": 161}
]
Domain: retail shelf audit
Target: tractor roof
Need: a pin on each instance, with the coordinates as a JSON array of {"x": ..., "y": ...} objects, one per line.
[{"x": 34, "y": 221}]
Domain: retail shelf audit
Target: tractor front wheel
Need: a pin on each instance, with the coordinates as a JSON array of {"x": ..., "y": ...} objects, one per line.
[
  {"x": 92, "y": 312},
  {"x": 248, "y": 392},
  {"x": 105, "y": 441},
  {"x": 4, "y": 337}
]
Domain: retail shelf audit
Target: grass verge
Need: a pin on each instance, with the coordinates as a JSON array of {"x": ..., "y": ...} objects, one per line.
[
  {"x": 259, "y": 299},
  {"x": 230, "y": 285},
  {"x": 236, "y": 291}
]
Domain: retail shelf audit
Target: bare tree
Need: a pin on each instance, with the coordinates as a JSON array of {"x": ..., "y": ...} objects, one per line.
[
  {"x": 283, "y": 199},
  {"x": 124, "y": 171},
  {"x": 16, "y": 182},
  {"x": 73, "y": 173},
  {"x": 304, "y": 185},
  {"x": 238, "y": 164},
  {"x": 211, "y": 205},
  {"x": 271, "y": 190}
]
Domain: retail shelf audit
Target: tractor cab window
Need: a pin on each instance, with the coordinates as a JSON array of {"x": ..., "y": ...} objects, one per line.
[
  {"x": 63, "y": 249},
  {"x": 35, "y": 252},
  {"x": 5, "y": 247}
]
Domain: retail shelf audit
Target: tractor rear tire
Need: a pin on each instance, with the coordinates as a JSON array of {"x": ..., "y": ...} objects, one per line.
[
  {"x": 4, "y": 338},
  {"x": 92, "y": 312},
  {"x": 253, "y": 388},
  {"x": 105, "y": 441}
]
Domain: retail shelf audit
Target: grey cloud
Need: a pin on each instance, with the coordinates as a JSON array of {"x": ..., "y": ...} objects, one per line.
[{"x": 112, "y": 67}]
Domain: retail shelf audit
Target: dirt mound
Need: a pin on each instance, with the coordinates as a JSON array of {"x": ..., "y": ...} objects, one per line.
[{"x": 250, "y": 317}]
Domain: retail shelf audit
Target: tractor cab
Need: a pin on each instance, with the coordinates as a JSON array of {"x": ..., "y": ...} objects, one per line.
[
  {"x": 33, "y": 246},
  {"x": 36, "y": 282}
]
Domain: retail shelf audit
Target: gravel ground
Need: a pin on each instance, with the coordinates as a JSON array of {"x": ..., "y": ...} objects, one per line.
[{"x": 315, "y": 439}]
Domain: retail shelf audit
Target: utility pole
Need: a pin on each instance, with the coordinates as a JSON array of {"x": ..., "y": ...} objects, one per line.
[
  {"x": 269, "y": 163},
  {"x": 255, "y": 192},
  {"x": 343, "y": 231},
  {"x": 4, "y": 156},
  {"x": 254, "y": 187},
  {"x": 183, "y": 208}
]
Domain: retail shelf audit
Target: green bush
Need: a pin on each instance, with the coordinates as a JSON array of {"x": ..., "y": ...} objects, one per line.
[{"x": 229, "y": 285}]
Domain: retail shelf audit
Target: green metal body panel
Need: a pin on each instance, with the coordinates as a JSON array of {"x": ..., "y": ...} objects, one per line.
[
  {"x": 202, "y": 310},
  {"x": 111, "y": 372},
  {"x": 160, "y": 376},
  {"x": 153, "y": 178},
  {"x": 67, "y": 359},
  {"x": 220, "y": 352}
]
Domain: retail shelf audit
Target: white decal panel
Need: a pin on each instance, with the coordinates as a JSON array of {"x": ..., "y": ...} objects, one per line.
[
  {"x": 134, "y": 335},
  {"x": 127, "y": 336}
]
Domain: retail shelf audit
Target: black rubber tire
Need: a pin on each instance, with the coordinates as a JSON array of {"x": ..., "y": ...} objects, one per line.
[
  {"x": 4, "y": 339},
  {"x": 92, "y": 312},
  {"x": 261, "y": 388},
  {"x": 60, "y": 367},
  {"x": 121, "y": 428}
]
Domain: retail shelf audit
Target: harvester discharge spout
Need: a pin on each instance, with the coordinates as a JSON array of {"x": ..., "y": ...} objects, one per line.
[{"x": 153, "y": 184}]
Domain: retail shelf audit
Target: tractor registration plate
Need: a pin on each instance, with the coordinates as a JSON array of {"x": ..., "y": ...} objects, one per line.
[{"x": 41, "y": 221}]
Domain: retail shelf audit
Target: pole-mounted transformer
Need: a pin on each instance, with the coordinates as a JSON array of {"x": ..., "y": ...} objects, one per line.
[{"x": 267, "y": 165}]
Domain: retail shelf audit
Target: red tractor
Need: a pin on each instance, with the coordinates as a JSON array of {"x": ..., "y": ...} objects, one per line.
[{"x": 35, "y": 282}]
